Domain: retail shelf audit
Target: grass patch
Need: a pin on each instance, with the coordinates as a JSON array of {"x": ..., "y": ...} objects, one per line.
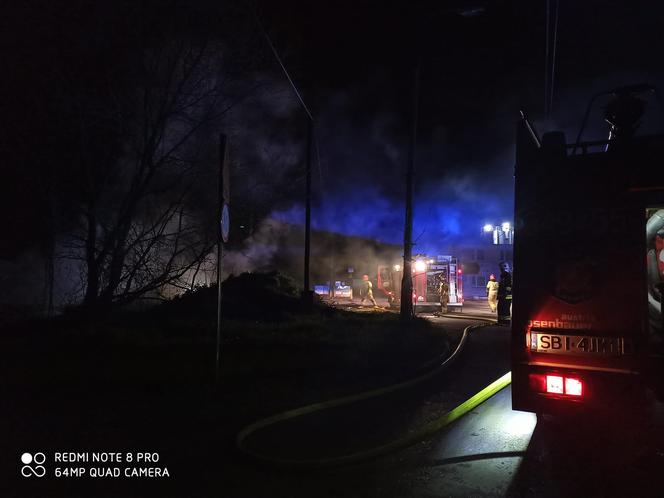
[{"x": 273, "y": 336}]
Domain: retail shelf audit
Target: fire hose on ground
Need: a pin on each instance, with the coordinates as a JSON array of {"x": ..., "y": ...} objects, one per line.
[{"x": 394, "y": 445}]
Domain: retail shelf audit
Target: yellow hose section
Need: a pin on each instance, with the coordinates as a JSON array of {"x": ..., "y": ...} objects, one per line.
[{"x": 408, "y": 440}]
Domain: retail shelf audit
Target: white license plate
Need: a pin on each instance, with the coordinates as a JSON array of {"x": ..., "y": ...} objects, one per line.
[{"x": 576, "y": 344}]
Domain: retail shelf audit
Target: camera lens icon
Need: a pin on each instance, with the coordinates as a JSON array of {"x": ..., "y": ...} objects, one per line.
[{"x": 36, "y": 470}]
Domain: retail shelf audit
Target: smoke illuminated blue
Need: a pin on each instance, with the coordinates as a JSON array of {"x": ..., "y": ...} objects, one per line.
[{"x": 445, "y": 214}]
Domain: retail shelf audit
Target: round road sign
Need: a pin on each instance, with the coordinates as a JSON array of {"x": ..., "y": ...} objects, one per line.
[{"x": 225, "y": 223}]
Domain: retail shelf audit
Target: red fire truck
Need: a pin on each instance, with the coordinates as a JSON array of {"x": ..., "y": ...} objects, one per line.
[
  {"x": 588, "y": 266},
  {"x": 427, "y": 275}
]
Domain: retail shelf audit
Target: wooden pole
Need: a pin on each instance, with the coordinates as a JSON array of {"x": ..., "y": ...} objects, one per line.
[{"x": 407, "y": 279}]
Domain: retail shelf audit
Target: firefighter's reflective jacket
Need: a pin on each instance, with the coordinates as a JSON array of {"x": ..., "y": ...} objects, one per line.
[
  {"x": 505, "y": 286},
  {"x": 444, "y": 291},
  {"x": 368, "y": 292}
]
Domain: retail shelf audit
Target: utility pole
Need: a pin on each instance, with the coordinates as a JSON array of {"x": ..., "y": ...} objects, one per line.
[
  {"x": 332, "y": 276},
  {"x": 307, "y": 295},
  {"x": 407, "y": 279}
]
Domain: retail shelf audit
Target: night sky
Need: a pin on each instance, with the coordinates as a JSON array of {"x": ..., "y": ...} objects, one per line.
[{"x": 481, "y": 62}]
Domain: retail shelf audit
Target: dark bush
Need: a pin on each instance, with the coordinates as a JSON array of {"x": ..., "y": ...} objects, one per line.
[{"x": 248, "y": 296}]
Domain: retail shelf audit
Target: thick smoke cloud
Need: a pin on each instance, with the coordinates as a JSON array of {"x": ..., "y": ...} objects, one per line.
[
  {"x": 359, "y": 188},
  {"x": 359, "y": 90},
  {"x": 448, "y": 212}
]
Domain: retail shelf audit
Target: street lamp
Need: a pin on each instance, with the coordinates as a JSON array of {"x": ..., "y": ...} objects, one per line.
[{"x": 500, "y": 234}]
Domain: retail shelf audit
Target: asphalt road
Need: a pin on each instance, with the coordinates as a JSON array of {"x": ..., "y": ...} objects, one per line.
[
  {"x": 492, "y": 451},
  {"x": 422, "y": 469}
]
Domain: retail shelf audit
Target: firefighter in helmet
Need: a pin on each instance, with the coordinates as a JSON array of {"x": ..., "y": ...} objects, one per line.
[
  {"x": 368, "y": 290},
  {"x": 444, "y": 292},
  {"x": 504, "y": 294},
  {"x": 492, "y": 292}
]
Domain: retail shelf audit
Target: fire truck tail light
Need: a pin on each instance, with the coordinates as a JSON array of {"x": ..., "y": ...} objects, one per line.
[
  {"x": 573, "y": 387},
  {"x": 554, "y": 384},
  {"x": 557, "y": 384}
]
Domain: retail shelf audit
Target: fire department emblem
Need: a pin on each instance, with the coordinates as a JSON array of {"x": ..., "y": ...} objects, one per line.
[{"x": 573, "y": 281}]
